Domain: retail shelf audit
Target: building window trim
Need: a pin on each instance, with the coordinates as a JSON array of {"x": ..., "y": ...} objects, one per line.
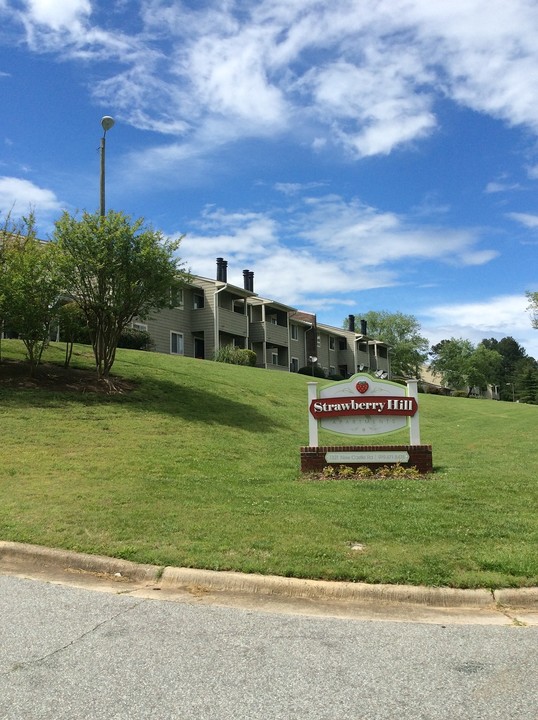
[
  {"x": 198, "y": 301},
  {"x": 177, "y": 299},
  {"x": 177, "y": 343}
]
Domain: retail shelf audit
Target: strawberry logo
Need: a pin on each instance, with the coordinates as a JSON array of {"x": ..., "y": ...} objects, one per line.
[{"x": 362, "y": 386}]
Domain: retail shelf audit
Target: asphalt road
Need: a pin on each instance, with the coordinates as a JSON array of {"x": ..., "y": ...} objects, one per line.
[{"x": 69, "y": 653}]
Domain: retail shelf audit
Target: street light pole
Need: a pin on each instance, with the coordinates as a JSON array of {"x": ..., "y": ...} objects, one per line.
[{"x": 106, "y": 123}]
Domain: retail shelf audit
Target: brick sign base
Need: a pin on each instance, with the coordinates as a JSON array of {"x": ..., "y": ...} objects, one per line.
[{"x": 313, "y": 459}]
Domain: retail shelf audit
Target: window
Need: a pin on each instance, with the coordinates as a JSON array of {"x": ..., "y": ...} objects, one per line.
[
  {"x": 274, "y": 320},
  {"x": 382, "y": 352},
  {"x": 332, "y": 343},
  {"x": 294, "y": 332},
  {"x": 139, "y": 326},
  {"x": 198, "y": 301},
  {"x": 363, "y": 347},
  {"x": 319, "y": 340},
  {"x": 274, "y": 357},
  {"x": 294, "y": 366},
  {"x": 342, "y": 344},
  {"x": 176, "y": 343},
  {"x": 176, "y": 298}
]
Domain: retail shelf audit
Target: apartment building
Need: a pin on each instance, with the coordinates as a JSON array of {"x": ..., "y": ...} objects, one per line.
[{"x": 207, "y": 315}]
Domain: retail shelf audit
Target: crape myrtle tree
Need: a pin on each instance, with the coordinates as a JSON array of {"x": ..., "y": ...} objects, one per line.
[
  {"x": 116, "y": 269},
  {"x": 408, "y": 349},
  {"x": 30, "y": 286}
]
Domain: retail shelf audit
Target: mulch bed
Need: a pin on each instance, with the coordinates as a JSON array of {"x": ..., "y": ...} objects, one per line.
[{"x": 56, "y": 378}]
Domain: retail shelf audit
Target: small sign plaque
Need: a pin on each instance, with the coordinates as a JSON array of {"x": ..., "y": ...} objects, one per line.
[{"x": 367, "y": 457}]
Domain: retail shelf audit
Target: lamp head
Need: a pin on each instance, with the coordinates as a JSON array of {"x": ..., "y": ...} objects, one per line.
[{"x": 107, "y": 122}]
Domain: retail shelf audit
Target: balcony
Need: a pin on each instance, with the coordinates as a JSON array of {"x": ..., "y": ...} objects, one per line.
[
  {"x": 232, "y": 323},
  {"x": 271, "y": 333}
]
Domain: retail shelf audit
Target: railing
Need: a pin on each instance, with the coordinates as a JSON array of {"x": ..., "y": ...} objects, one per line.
[
  {"x": 277, "y": 334},
  {"x": 232, "y": 322}
]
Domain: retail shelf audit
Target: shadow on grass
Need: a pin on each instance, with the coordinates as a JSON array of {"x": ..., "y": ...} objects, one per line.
[{"x": 155, "y": 396}]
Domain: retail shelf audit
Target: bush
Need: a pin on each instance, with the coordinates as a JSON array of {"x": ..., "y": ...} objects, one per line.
[
  {"x": 235, "y": 356},
  {"x": 135, "y": 339},
  {"x": 315, "y": 371},
  {"x": 336, "y": 377},
  {"x": 246, "y": 357}
]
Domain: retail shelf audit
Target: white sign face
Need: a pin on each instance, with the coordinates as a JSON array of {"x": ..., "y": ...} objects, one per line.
[
  {"x": 375, "y": 406},
  {"x": 367, "y": 457}
]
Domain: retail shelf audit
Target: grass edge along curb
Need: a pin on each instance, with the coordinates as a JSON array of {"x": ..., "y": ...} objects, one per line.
[{"x": 170, "y": 578}]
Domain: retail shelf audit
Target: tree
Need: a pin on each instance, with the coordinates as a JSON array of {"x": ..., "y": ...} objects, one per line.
[
  {"x": 514, "y": 358},
  {"x": 450, "y": 361},
  {"x": 460, "y": 364},
  {"x": 483, "y": 368},
  {"x": 532, "y": 297},
  {"x": 31, "y": 287},
  {"x": 408, "y": 349},
  {"x": 116, "y": 270},
  {"x": 72, "y": 323}
]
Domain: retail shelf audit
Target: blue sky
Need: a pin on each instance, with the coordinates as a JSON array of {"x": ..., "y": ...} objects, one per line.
[{"x": 355, "y": 154}]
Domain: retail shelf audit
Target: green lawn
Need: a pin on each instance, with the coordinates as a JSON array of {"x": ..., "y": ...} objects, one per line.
[{"x": 199, "y": 466}]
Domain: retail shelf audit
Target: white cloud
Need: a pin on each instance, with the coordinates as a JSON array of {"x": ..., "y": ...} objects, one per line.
[
  {"x": 497, "y": 317},
  {"x": 362, "y": 233},
  {"x": 325, "y": 248},
  {"x": 526, "y": 219},
  {"x": 68, "y": 14},
  {"x": 21, "y": 195},
  {"x": 361, "y": 74}
]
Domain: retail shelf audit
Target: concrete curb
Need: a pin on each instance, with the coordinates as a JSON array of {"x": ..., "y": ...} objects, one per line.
[{"x": 173, "y": 578}]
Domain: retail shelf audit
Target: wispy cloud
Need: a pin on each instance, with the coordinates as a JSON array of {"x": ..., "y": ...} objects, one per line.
[
  {"x": 527, "y": 219},
  {"x": 501, "y": 187},
  {"x": 498, "y": 317},
  {"x": 324, "y": 247},
  {"x": 361, "y": 76}
]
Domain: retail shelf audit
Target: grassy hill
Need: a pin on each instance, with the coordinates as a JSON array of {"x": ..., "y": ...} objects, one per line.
[{"x": 198, "y": 465}]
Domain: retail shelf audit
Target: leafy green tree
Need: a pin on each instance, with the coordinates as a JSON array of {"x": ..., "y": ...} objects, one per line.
[
  {"x": 532, "y": 297},
  {"x": 483, "y": 368},
  {"x": 116, "y": 270},
  {"x": 450, "y": 360},
  {"x": 31, "y": 288},
  {"x": 408, "y": 349},
  {"x": 514, "y": 358},
  {"x": 460, "y": 364}
]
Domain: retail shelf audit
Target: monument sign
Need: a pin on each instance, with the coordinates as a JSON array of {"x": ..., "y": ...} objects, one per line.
[{"x": 365, "y": 405}]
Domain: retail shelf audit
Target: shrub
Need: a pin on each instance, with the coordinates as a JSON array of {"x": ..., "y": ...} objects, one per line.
[
  {"x": 245, "y": 357},
  {"x": 336, "y": 377},
  {"x": 133, "y": 339},
  {"x": 315, "y": 371},
  {"x": 235, "y": 356}
]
